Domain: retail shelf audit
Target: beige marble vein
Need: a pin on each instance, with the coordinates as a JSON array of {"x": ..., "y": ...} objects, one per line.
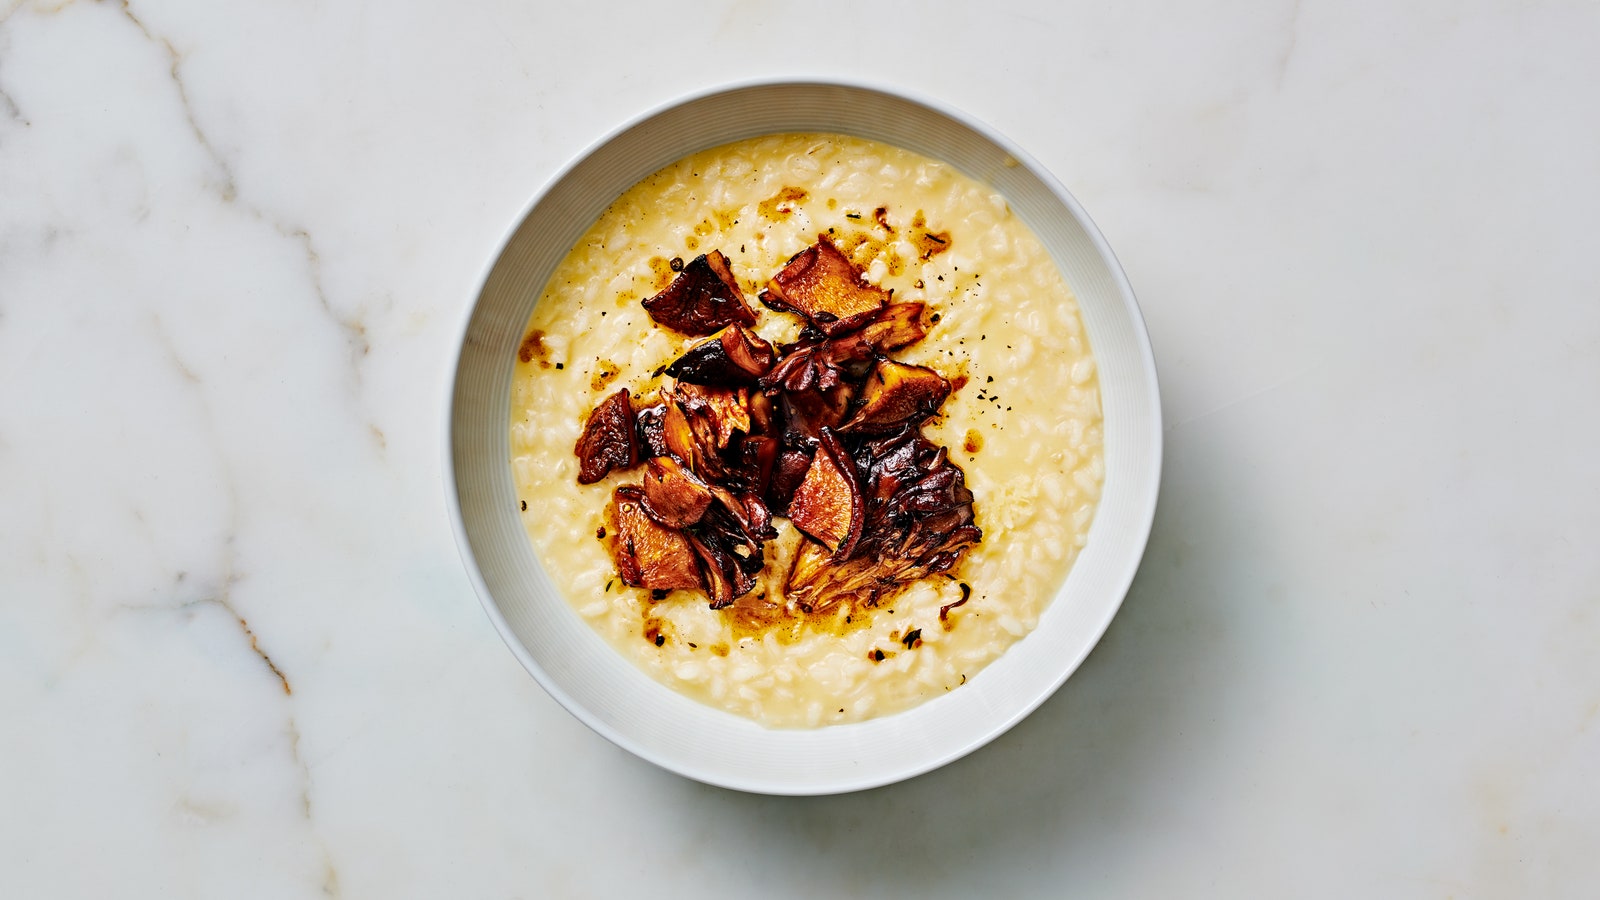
[
  {"x": 224, "y": 184},
  {"x": 221, "y": 597},
  {"x": 1293, "y": 31},
  {"x": 10, "y": 109},
  {"x": 355, "y": 331}
]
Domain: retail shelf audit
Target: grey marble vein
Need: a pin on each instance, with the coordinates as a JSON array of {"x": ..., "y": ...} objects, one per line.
[{"x": 225, "y": 184}]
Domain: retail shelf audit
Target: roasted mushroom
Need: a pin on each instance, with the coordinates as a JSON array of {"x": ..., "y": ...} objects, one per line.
[
  {"x": 824, "y": 430},
  {"x": 746, "y": 516},
  {"x": 828, "y": 504},
  {"x": 815, "y": 361},
  {"x": 735, "y": 356},
  {"x": 673, "y": 495},
  {"x": 730, "y": 555},
  {"x": 899, "y": 325},
  {"x": 649, "y": 430},
  {"x": 757, "y": 455},
  {"x": 788, "y": 470},
  {"x": 608, "y": 441},
  {"x": 806, "y": 414},
  {"x": 714, "y": 413},
  {"x": 757, "y": 518},
  {"x": 761, "y": 412},
  {"x": 819, "y": 367},
  {"x": 918, "y": 522},
  {"x": 819, "y": 582},
  {"x": 677, "y": 436},
  {"x": 702, "y": 300},
  {"x": 823, "y": 285},
  {"x": 895, "y": 394},
  {"x": 726, "y": 578},
  {"x": 648, "y": 554},
  {"x": 918, "y": 504}
]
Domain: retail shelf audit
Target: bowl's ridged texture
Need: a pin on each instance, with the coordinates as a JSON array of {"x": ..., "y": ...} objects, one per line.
[{"x": 608, "y": 692}]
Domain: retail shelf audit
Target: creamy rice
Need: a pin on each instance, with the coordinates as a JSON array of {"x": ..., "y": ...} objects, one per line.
[{"x": 1025, "y": 426}]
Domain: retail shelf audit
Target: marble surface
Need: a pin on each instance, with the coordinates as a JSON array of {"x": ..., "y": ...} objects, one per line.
[{"x": 242, "y": 659}]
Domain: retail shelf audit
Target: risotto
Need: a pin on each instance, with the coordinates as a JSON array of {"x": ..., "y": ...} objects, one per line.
[{"x": 1023, "y": 420}]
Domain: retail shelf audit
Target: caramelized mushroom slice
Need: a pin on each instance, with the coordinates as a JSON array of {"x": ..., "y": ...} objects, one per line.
[
  {"x": 714, "y": 414},
  {"x": 648, "y": 554},
  {"x": 757, "y": 454},
  {"x": 698, "y": 421},
  {"x": 895, "y": 394},
  {"x": 761, "y": 413},
  {"x": 823, "y": 285},
  {"x": 828, "y": 505},
  {"x": 757, "y": 518},
  {"x": 649, "y": 430},
  {"x": 816, "y": 361},
  {"x": 726, "y": 579},
  {"x": 747, "y": 463},
  {"x": 919, "y": 522},
  {"x": 821, "y": 367},
  {"x": 918, "y": 504},
  {"x": 736, "y": 356},
  {"x": 899, "y": 325},
  {"x": 608, "y": 441},
  {"x": 744, "y": 517},
  {"x": 818, "y": 582},
  {"x": 673, "y": 495},
  {"x": 677, "y": 436},
  {"x": 703, "y": 299},
  {"x": 806, "y": 414},
  {"x": 788, "y": 470},
  {"x": 811, "y": 368}
]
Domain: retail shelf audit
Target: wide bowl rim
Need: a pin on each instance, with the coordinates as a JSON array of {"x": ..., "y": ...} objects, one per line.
[{"x": 1144, "y": 507}]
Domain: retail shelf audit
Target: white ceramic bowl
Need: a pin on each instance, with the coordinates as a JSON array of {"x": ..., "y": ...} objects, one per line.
[{"x": 621, "y": 702}]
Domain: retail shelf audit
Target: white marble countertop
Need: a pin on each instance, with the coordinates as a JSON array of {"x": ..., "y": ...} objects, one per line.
[{"x": 241, "y": 656}]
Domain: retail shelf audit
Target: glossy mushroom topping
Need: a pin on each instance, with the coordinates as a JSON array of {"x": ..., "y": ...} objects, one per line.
[{"x": 825, "y": 431}]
